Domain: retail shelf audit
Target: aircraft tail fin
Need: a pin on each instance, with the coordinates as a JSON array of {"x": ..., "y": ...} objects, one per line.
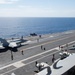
[{"x": 4, "y": 42}]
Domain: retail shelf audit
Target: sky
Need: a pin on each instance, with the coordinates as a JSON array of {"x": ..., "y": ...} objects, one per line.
[{"x": 37, "y": 8}]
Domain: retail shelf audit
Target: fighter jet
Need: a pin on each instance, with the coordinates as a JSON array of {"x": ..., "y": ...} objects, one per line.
[{"x": 10, "y": 43}]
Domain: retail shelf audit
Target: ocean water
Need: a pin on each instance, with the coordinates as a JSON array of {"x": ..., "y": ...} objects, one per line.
[{"x": 16, "y": 27}]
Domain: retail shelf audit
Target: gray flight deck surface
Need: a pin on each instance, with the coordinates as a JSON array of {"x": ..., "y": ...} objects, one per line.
[{"x": 33, "y": 52}]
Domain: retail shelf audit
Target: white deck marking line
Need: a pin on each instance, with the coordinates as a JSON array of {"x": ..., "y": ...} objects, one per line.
[
  {"x": 30, "y": 62},
  {"x": 57, "y": 48},
  {"x": 18, "y": 64},
  {"x": 69, "y": 43},
  {"x": 42, "y": 57},
  {"x": 47, "y": 43},
  {"x": 33, "y": 56},
  {"x": 39, "y": 54},
  {"x": 28, "y": 58}
]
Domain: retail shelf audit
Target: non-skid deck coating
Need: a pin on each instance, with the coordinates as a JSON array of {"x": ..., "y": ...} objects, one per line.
[{"x": 25, "y": 64}]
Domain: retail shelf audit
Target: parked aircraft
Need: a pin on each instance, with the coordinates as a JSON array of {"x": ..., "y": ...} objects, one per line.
[{"x": 10, "y": 43}]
